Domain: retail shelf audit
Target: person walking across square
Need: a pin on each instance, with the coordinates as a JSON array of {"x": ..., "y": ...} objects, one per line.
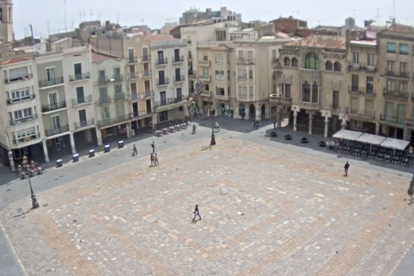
[
  {"x": 346, "y": 168},
  {"x": 134, "y": 151},
  {"x": 156, "y": 160},
  {"x": 152, "y": 159},
  {"x": 196, "y": 213}
]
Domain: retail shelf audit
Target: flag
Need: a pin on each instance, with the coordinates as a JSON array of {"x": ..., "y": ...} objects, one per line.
[{"x": 198, "y": 88}]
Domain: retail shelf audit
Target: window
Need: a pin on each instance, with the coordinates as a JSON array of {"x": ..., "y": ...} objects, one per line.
[
  {"x": 287, "y": 91},
  {"x": 328, "y": 66},
  {"x": 205, "y": 71},
  {"x": 311, "y": 62},
  {"x": 131, "y": 55},
  {"x": 119, "y": 109},
  {"x": 388, "y": 111},
  {"x": 118, "y": 88},
  {"x": 251, "y": 89},
  {"x": 228, "y": 74},
  {"x": 21, "y": 115},
  {"x": 337, "y": 67},
  {"x": 105, "y": 112},
  {"x": 370, "y": 60},
  {"x": 25, "y": 135},
  {"x": 50, "y": 74},
  {"x": 355, "y": 58},
  {"x": 401, "y": 113},
  {"x": 390, "y": 86},
  {"x": 403, "y": 49},
  {"x": 390, "y": 67},
  {"x": 117, "y": 72},
  {"x": 20, "y": 95},
  {"x": 306, "y": 92},
  {"x": 179, "y": 94},
  {"x": 286, "y": 61},
  {"x": 335, "y": 99},
  {"x": 370, "y": 85},
  {"x": 403, "y": 67},
  {"x": 220, "y": 75},
  {"x": 250, "y": 74},
  {"x": 355, "y": 83},
  {"x": 80, "y": 95},
  {"x": 294, "y": 62},
  {"x": 163, "y": 116},
  {"x": 315, "y": 93},
  {"x": 219, "y": 59},
  {"x": 403, "y": 87},
  {"x": 163, "y": 98},
  {"x": 220, "y": 91},
  {"x": 391, "y": 48}
]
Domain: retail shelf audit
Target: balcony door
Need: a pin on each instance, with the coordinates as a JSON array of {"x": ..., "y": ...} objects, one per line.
[
  {"x": 163, "y": 98},
  {"x": 131, "y": 55},
  {"x": 177, "y": 74},
  {"x": 82, "y": 117},
  {"x": 146, "y": 69},
  {"x": 160, "y": 55},
  {"x": 177, "y": 54},
  {"x": 161, "y": 76},
  {"x": 55, "y": 122},
  {"x": 53, "y": 101},
  {"x": 134, "y": 90},
  {"x": 80, "y": 95},
  {"x": 145, "y": 53},
  {"x": 50, "y": 75},
  {"x": 179, "y": 94},
  {"x": 78, "y": 71},
  {"x": 147, "y": 86}
]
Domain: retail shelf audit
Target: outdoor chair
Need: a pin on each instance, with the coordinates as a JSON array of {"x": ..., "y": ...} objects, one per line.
[
  {"x": 288, "y": 137},
  {"x": 304, "y": 140},
  {"x": 322, "y": 144}
]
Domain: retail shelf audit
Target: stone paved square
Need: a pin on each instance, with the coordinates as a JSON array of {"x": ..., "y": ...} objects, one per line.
[{"x": 264, "y": 212}]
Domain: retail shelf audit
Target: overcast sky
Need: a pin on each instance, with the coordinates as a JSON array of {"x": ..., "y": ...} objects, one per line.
[{"x": 155, "y": 13}]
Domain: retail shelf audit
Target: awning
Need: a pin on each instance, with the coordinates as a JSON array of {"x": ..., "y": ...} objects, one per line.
[
  {"x": 394, "y": 144},
  {"x": 371, "y": 139},
  {"x": 347, "y": 134}
]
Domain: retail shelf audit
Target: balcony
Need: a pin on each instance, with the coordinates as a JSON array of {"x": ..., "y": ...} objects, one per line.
[
  {"x": 179, "y": 78},
  {"x": 401, "y": 75},
  {"x": 149, "y": 94},
  {"x": 51, "y": 82},
  {"x": 23, "y": 120},
  {"x": 104, "y": 100},
  {"x": 245, "y": 97},
  {"x": 24, "y": 77},
  {"x": 162, "y": 82},
  {"x": 102, "y": 80},
  {"x": 310, "y": 106},
  {"x": 192, "y": 74},
  {"x": 169, "y": 104},
  {"x": 204, "y": 62},
  {"x": 146, "y": 58},
  {"x": 132, "y": 60},
  {"x": 135, "y": 96},
  {"x": 26, "y": 139},
  {"x": 53, "y": 107},
  {"x": 206, "y": 93},
  {"x": 190, "y": 57},
  {"x": 86, "y": 123},
  {"x": 391, "y": 93},
  {"x": 117, "y": 78},
  {"x": 120, "y": 96},
  {"x": 83, "y": 100},
  {"x": 55, "y": 131},
  {"x": 21, "y": 99},
  {"x": 205, "y": 77},
  {"x": 245, "y": 60},
  {"x": 222, "y": 96},
  {"x": 112, "y": 121},
  {"x": 392, "y": 119},
  {"x": 355, "y": 90},
  {"x": 146, "y": 73},
  {"x": 277, "y": 100},
  {"x": 133, "y": 76},
  {"x": 79, "y": 77},
  {"x": 139, "y": 114},
  {"x": 178, "y": 59},
  {"x": 161, "y": 61}
]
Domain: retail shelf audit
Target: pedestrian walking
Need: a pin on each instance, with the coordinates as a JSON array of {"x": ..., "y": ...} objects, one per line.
[
  {"x": 152, "y": 159},
  {"x": 153, "y": 147},
  {"x": 134, "y": 151},
  {"x": 156, "y": 160},
  {"x": 346, "y": 168},
  {"x": 411, "y": 191},
  {"x": 274, "y": 124},
  {"x": 196, "y": 213},
  {"x": 194, "y": 128}
]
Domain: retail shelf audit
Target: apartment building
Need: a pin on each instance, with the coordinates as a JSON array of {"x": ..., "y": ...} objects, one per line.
[
  {"x": 21, "y": 129},
  {"x": 139, "y": 69},
  {"x": 215, "y": 60},
  {"x": 253, "y": 73},
  {"x": 363, "y": 88},
  {"x": 312, "y": 77},
  {"x": 396, "y": 67},
  {"x": 194, "y": 15},
  {"x": 113, "y": 109},
  {"x": 169, "y": 78}
]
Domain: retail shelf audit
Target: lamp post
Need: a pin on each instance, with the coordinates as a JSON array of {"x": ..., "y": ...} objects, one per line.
[
  {"x": 35, "y": 204},
  {"x": 212, "y": 113}
]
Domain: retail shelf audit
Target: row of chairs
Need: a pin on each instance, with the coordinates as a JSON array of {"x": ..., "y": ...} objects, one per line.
[{"x": 169, "y": 127}]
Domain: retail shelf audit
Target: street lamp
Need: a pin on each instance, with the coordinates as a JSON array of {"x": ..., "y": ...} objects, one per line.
[
  {"x": 212, "y": 113},
  {"x": 35, "y": 204}
]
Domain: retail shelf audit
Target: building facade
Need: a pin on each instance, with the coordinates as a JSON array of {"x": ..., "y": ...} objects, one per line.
[
  {"x": 6, "y": 21},
  {"x": 170, "y": 79},
  {"x": 194, "y": 15}
]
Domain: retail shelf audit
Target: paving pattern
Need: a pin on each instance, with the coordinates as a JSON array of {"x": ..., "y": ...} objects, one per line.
[{"x": 264, "y": 212}]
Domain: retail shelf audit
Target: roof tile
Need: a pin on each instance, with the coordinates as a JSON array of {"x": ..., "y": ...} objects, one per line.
[{"x": 321, "y": 41}]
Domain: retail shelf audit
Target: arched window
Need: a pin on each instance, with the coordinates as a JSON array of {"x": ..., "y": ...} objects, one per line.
[
  {"x": 294, "y": 62},
  {"x": 337, "y": 67},
  {"x": 311, "y": 61},
  {"x": 306, "y": 92},
  {"x": 286, "y": 61},
  {"x": 328, "y": 66},
  {"x": 315, "y": 93}
]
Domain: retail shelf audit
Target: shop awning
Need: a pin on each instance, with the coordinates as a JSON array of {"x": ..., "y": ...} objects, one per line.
[
  {"x": 347, "y": 134},
  {"x": 394, "y": 144},
  {"x": 371, "y": 139}
]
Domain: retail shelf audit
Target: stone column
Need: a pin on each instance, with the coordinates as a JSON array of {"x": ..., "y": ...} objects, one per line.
[
  {"x": 295, "y": 117},
  {"x": 98, "y": 136},
  {"x": 186, "y": 113},
  {"x": 326, "y": 126},
  {"x": 72, "y": 143},
  {"x": 377, "y": 128},
  {"x": 128, "y": 129},
  {"x": 258, "y": 112},
  {"x": 154, "y": 119},
  {"x": 310, "y": 123},
  {"x": 405, "y": 136},
  {"x": 278, "y": 119},
  {"x": 45, "y": 151}
]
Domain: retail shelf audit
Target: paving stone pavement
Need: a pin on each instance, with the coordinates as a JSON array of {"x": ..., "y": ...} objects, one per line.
[{"x": 265, "y": 211}]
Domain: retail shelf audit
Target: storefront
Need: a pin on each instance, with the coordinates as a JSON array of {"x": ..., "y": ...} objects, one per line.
[
  {"x": 112, "y": 133},
  {"x": 225, "y": 110}
]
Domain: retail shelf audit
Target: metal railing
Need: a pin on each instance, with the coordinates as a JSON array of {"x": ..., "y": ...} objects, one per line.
[
  {"x": 24, "y": 77},
  {"x": 161, "y": 61},
  {"x": 23, "y": 120},
  {"x": 395, "y": 93},
  {"x": 401, "y": 75},
  {"x": 55, "y": 106},
  {"x": 26, "y": 139},
  {"x": 309, "y": 105},
  {"x": 118, "y": 77},
  {"x": 104, "y": 99},
  {"x": 82, "y": 100},
  {"x": 135, "y": 96},
  {"x": 146, "y": 73},
  {"x": 161, "y": 82},
  {"x": 120, "y": 96},
  {"x": 177, "y": 59},
  {"x": 54, "y": 131},
  {"x": 169, "y": 101},
  {"x": 77, "y": 77},
  {"x": 132, "y": 60},
  {"x": 86, "y": 123},
  {"x": 146, "y": 58},
  {"x": 115, "y": 120},
  {"x": 149, "y": 94},
  {"x": 102, "y": 80},
  {"x": 204, "y": 62},
  {"x": 133, "y": 75},
  {"x": 179, "y": 78},
  {"x": 280, "y": 100},
  {"x": 54, "y": 81},
  {"x": 192, "y": 73},
  {"x": 22, "y": 99}
]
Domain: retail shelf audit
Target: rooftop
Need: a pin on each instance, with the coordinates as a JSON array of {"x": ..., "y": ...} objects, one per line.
[
  {"x": 399, "y": 28},
  {"x": 98, "y": 58},
  {"x": 321, "y": 41},
  {"x": 16, "y": 60},
  {"x": 289, "y": 18}
]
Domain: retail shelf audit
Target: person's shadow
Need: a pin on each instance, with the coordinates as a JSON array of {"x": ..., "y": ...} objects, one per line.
[{"x": 411, "y": 202}]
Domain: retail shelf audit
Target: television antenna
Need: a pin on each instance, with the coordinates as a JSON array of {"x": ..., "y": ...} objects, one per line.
[{"x": 65, "y": 15}]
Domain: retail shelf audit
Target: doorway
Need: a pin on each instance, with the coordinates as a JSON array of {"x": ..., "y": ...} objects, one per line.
[
  {"x": 252, "y": 112},
  {"x": 263, "y": 111}
]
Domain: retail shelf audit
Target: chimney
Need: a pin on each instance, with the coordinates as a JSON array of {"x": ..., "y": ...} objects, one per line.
[{"x": 348, "y": 37}]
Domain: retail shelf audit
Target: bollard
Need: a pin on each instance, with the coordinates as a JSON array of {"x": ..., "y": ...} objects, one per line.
[
  {"x": 91, "y": 153},
  {"x": 107, "y": 148},
  {"x": 59, "y": 163},
  {"x": 75, "y": 157},
  {"x": 120, "y": 144}
]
